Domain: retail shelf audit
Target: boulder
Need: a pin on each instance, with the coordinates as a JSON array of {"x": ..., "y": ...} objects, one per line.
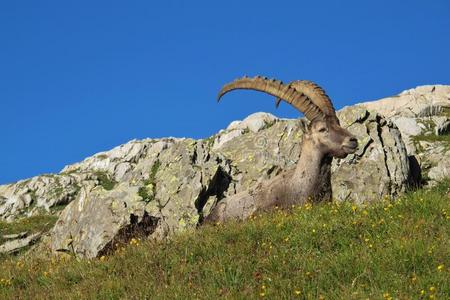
[
  {"x": 254, "y": 122},
  {"x": 98, "y": 218}
]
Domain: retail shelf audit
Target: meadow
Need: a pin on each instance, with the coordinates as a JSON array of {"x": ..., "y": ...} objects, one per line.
[{"x": 392, "y": 249}]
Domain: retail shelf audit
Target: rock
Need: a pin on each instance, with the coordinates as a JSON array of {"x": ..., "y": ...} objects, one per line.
[
  {"x": 38, "y": 194},
  {"x": 15, "y": 236},
  {"x": 408, "y": 126},
  {"x": 442, "y": 125},
  {"x": 254, "y": 122},
  {"x": 422, "y": 101},
  {"x": 20, "y": 243},
  {"x": 221, "y": 139},
  {"x": 441, "y": 170},
  {"x": 380, "y": 167},
  {"x": 91, "y": 224}
]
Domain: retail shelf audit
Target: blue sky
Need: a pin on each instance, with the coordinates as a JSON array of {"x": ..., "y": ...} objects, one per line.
[{"x": 79, "y": 77}]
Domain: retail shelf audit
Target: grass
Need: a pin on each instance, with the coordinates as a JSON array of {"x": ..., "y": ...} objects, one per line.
[
  {"x": 38, "y": 223},
  {"x": 390, "y": 250},
  {"x": 32, "y": 224},
  {"x": 105, "y": 180},
  {"x": 147, "y": 192},
  {"x": 444, "y": 140}
]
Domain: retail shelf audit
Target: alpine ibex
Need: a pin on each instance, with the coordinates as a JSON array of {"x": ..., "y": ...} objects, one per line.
[{"x": 323, "y": 139}]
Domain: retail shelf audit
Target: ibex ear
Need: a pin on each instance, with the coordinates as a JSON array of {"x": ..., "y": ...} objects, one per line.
[{"x": 304, "y": 125}]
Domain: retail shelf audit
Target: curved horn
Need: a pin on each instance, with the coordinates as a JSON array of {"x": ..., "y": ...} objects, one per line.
[
  {"x": 316, "y": 94},
  {"x": 276, "y": 88}
]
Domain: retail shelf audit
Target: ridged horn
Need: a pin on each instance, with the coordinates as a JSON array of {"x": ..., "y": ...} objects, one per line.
[
  {"x": 276, "y": 88},
  {"x": 316, "y": 94}
]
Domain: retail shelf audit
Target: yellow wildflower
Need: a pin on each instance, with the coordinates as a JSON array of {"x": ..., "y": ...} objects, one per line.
[{"x": 440, "y": 268}]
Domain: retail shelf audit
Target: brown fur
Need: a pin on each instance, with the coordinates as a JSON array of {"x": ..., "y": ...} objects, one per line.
[{"x": 309, "y": 181}]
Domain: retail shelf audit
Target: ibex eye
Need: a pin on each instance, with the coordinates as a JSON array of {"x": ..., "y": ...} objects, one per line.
[{"x": 323, "y": 129}]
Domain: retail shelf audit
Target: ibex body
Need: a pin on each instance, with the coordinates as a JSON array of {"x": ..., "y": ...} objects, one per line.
[{"x": 323, "y": 139}]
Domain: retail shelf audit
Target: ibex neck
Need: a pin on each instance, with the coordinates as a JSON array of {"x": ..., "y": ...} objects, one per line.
[{"x": 308, "y": 171}]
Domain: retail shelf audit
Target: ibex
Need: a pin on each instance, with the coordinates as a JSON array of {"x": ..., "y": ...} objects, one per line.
[{"x": 323, "y": 139}]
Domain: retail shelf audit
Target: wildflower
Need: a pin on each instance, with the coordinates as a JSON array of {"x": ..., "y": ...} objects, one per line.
[
  {"x": 102, "y": 258},
  {"x": 440, "y": 268},
  {"x": 297, "y": 292},
  {"x": 422, "y": 292},
  {"x": 286, "y": 239},
  {"x": 432, "y": 289},
  {"x": 354, "y": 207}
]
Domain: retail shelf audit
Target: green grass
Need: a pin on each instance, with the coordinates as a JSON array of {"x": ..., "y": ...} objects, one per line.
[
  {"x": 393, "y": 249},
  {"x": 105, "y": 180},
  {"x": 147, "y": 192},
  {"x": 32, "y": 224},
  {"x": 39, "y": 223}
]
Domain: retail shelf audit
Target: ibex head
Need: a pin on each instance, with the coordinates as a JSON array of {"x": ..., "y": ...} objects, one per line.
[{"x": 324, "y": 130}]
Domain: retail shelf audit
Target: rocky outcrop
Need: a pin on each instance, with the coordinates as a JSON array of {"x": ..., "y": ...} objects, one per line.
[
  {"x": 423, "y": 118},
  {"x": 160, "y": 187},
  {"x": 170, "y": 185},
  {"x": 423, "y": 101}
]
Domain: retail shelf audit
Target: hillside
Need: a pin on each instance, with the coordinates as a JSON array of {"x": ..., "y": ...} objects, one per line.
[
  {"x": 388, "y": 250},
  {"x": 164, "y": 187}
]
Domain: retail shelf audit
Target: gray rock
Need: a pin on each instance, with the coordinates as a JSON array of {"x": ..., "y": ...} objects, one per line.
[
  {"x": 442, "y": 125},
  {"x": 254, "y": 122},
  {"x": 225, "y": 137},
  {"x": 408, "y": 126},
  {"x": 15, "y": 236},
  {"x": 423, "y": 101},
  {"x": 90, "y": 224},
  {"x": 20, "y": 243},
  {"x": 380, "y": 167}
]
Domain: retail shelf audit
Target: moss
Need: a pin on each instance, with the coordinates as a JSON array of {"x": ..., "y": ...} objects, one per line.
[
  {"x": 105, "y": 180},
  {"x": 146, "y": 192},
  {"x": 269, "y": 124},
  {"x": 445, "y": 112}
]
